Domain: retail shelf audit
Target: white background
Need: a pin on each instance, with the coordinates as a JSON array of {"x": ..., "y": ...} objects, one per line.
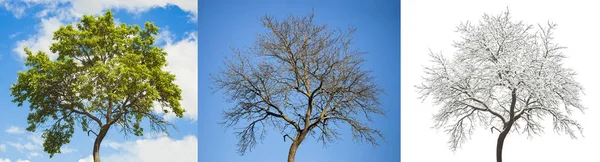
[{"x": 431, "y": 24}]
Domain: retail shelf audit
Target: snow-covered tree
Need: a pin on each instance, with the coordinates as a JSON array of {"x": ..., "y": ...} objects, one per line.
[{"x": 506, "y": 76}]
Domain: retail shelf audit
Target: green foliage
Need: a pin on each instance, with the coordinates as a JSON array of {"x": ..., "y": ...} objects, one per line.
[{"x": 104, "y": 74}]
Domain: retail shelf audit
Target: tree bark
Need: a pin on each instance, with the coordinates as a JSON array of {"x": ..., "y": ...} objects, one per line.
[
  {"x": 500, "y": 143},
  {"x": 98, "y": 141},
  {"x": 295, "y": 144},
  {"x": 292, "y": 153},
  {"x": 499, "y": 146}
]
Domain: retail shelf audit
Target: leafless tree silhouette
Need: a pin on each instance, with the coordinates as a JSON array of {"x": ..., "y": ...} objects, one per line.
[{"x": 300, "y": 78}]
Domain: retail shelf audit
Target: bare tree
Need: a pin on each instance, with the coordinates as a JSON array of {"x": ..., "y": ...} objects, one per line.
[
  {"x": 300, "y": 78},
  {"x": 506, "y": 76}
]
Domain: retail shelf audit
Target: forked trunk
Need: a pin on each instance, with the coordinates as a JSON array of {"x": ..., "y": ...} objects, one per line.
[
  {"x": 506, "y": 130},
  {"x": 98, "y": 141}
]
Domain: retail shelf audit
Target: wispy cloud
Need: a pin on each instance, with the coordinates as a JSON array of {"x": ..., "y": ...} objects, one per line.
[
  {"x": 15, "y": 130},
  {"x": 32, "y": 146},
  {"x": 32, "y": 155},
  {"x": 42, "y": 39},
  {"x": 14, "y": 35},
  {"x": 20, "y": 147},
  {"x": 32, "y": 143},
  {"x": 184, "y": 150},
  {"x": 66, "y": 150},
  {"x": 80, "y": 7},
  {"x": 15, "y": 8},
  {"x": 8, "y": 160},
  {"x": 2, "y": 147}
]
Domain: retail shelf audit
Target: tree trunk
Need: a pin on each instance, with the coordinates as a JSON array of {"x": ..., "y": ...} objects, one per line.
[
  {"x": 295, "y": 144},
  {"x": 98, "y": 141},
  {"x": 500, "y": 143},
  {"x": 292, "y": 153}
]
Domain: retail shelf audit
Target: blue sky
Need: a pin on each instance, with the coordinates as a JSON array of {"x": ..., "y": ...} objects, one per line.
[
  {"x": 32, "y": 23},
  {"x": 224, "y": 24}
]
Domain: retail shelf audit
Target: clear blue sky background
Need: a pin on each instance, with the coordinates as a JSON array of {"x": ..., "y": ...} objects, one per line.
[
  {"x": 235, "y": 23},
  {"x": 171, "y": 18}
]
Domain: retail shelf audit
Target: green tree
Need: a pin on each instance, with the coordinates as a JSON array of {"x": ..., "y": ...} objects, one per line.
[{"x": 105, "y": 75}]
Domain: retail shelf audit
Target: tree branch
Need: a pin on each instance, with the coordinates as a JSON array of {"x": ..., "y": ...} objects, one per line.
[{"x": 88, "y": 132}]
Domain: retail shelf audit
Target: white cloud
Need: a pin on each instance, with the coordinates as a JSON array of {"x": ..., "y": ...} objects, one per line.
[
  {"x": 112, "y": 144},
  {"x": 33, "y": 145},
  {"x": 14, "y": 35},
  {"x": 157, "y": 149},
  {"x": 87, "y": 159},
  {"x": 42, "y": 39},
  {"x": 66, "y": 150},
  {"x": 30, "y": 146},
  {"x": 17, "y": 146},
  {"x": 164, "y": 36},
  {"x": 15, "y": 130},
  {"x": 16, "y": 10},
  {"x": 134, "y": 6},
  {"x": 8, "y": 160},
  {"x": 36, "y": 139},
  {"x": 2, "y": 147},
  {"x": 32, "y": 155},
  {"x": 182, "y": 61},
  {"x": 80, "y": 7}
]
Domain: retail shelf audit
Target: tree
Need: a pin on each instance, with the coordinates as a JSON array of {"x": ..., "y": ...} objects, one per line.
[
  {"x": 105, "y": 75},
  {"x": 300, "y": 78},
  {"x": 506, "y": 76}
]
